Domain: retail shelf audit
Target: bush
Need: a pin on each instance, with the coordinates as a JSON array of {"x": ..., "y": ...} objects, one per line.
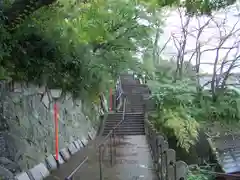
[{"x": 181, "y": 108}]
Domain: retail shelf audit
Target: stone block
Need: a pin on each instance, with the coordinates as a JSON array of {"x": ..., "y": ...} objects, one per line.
[
  {"x": 91, "y": 136},
  {"x": 80, "y": 143},
  {"x": 41, "y": 89},
  {"x": 56, "y": 93},
  {"x": 46, "y": 100},
  {"x": 84, "y": 141},
  {"x": 72, "y": 148},
  {"x": 65, "y": 154},
  {"x": 22, "y": 176},
  {"x": 77, "y": 145},
  {"x": 17, "y": 87},
  {"x": 68, "y": 96},
  {"x": 29, "y": 90},
  {"x": 94, "y": 133},
  {"x": 60, "y": 159},
  {"x": 39, "y": 172},
  {"x": 51, "y": 162}
]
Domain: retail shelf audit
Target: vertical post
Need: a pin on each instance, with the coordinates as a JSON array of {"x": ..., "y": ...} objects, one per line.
[
  {"x": 56, "y": 130},
  {"x": 114, "y": 145},
  {"x": 110, "y": 99},
  {"x": 111, "y": 150},
  {"x": 100, "y": 162}
]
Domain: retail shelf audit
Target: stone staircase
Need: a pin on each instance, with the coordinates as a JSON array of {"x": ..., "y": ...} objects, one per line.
[
  {"x": 126, "y": 155},
  {"x": 134, "y": 103},
  {"x": 134, "y": 109},
  {"x": 133, "y": 124}
]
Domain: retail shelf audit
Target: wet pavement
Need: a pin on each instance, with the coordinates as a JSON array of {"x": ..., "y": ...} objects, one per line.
[{"x": 132, "y": 161}]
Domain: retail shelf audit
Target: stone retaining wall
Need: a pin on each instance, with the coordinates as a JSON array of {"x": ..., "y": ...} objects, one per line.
[{"x": 27, "y": 125}]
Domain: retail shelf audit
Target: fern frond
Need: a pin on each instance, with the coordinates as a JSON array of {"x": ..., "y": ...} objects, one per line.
[{"x": 185, "y": 129}]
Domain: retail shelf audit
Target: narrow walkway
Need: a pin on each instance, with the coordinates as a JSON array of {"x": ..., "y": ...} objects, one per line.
[
  {"x": 133, "y": 162},
  {"x": 132, "y": 159},
  {"x": 67, "y": 168}
]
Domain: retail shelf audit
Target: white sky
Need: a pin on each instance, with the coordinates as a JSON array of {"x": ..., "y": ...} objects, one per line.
[{"x": 209, "y": 37}]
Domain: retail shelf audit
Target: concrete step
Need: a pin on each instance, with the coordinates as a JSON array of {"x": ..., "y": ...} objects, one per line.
[
  {"x": 128, "y": 110},
  {"x": 130, "y": 123},
  {"x": 123, "y": 129},
  {"x": 127, "y": 133},
  {"x": 124, "y": 124},
  {"x": 134, "y": 105},
  {"x": 138, "y": 121},
  {"x": 119, "y": 118},
  {"x": 127, "y": 116},
  {"x": 134, "y": 122},
  {"x": 126, "y": 121},
  {"x": 134, "y": 108}
]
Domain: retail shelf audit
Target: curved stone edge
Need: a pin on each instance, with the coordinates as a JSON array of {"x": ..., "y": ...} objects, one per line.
[{"x": 43, "y": 169}]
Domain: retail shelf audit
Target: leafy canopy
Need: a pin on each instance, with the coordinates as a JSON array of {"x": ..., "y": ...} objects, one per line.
[{"x": 75, "y": 46}]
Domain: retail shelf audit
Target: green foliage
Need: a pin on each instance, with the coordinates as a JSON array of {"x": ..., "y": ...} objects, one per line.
[
  {"x": 173, "y": 115},
  {"x": 76, "y": 46},
  {"x": 181, "y": 108},
  {"x": 198, "y": 176},
  {"x": 201, "y": 173},
  {"x": 5, "y": 50},
  {"x": 192, "y": 6},
  {"x": 79, "y": 45}
]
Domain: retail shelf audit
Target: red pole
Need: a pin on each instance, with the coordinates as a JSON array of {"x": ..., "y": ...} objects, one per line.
[
  {"x": 56, "y": 129},
  {"x": 110, "y": 99}
]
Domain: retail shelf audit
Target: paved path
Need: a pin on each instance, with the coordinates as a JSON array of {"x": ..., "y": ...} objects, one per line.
[
  {"x": 75, "y": 160},
  {"x": 133, "y": 162}
]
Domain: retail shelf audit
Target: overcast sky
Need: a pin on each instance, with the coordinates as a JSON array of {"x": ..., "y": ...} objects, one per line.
[{"x": 209, "y": 38}]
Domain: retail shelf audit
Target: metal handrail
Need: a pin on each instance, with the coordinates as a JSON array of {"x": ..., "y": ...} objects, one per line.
[
  {"x": 99, "y": 146},
  {"x": 110, "y": 135},
  {"x": 70, "y": 177},
  {"x": 121, "y": 90},
  {"x": 115, "y": 127}
]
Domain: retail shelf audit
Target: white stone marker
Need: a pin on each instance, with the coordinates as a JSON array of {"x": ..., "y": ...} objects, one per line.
[
  {"x": 76, "y": 143},
  {"x": 22, "y": 176},
  {"x": 51, "y": 162},
  {"x": 39, "y": 172},
  {"x": 72, "y": 149},
  {"x": 65, "y": 154}
]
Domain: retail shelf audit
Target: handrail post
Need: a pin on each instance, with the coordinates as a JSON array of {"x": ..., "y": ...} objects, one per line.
[
  {"x": 100, "y": 162},
  {"x": 114, "y": 145},
  {"x": 103, "y": 145},
  {"x": 111, "y": 150}
]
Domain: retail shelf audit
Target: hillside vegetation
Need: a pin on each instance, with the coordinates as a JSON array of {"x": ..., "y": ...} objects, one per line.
[
  {"x": 78, "y": 45},
  {"x": 82, "y": 47}
]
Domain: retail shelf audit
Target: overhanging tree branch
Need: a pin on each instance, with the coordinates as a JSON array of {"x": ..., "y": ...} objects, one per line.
[
  {"x": 105, "y": 45},
  {"x": 20, "y": 9}
]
